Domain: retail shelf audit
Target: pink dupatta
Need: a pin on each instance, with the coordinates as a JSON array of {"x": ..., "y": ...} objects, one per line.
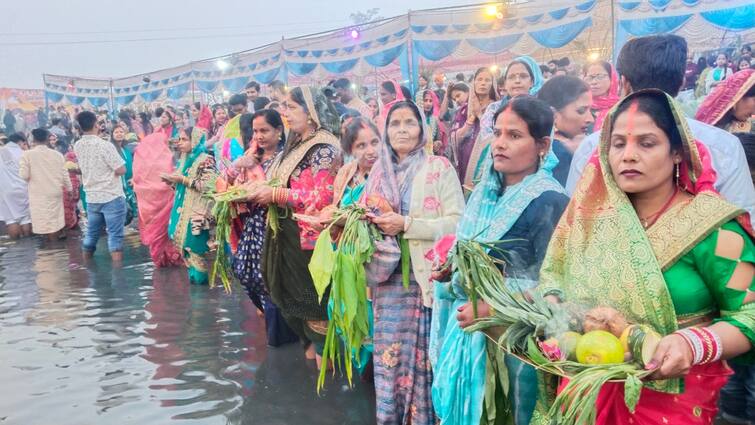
[{"x": 151, "y": 159}]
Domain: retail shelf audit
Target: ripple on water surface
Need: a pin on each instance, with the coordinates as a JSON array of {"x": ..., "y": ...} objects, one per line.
[{"x": 89, "y": 344}]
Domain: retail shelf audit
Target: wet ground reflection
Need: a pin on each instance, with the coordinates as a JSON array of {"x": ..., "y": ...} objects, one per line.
[{"x": 85, "y": 345}]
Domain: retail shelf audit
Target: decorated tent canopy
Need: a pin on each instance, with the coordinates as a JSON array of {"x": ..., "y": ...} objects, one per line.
[{"x": 449, "y": 39}]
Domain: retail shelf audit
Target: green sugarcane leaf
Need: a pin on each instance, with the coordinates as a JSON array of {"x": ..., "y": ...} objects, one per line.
[
  {"x": 322, "y": 263},
  {"x": 632, "y": 390},
  {"x": 534, "y": 353}
]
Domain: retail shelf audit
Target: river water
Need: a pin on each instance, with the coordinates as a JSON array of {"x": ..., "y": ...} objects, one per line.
[{"x": 92, "y": 344}]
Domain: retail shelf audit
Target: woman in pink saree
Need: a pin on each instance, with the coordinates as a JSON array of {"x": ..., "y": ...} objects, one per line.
[{"x": 152, "y": 158}]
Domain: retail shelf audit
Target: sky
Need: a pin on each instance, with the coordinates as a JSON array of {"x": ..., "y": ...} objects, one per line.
[{"x": 106, "y": 38}]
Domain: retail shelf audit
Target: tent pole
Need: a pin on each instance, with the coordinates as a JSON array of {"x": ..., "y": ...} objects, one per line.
[
  {"x": 409, "y": 52},
  {"x": 112, "y": 101}
]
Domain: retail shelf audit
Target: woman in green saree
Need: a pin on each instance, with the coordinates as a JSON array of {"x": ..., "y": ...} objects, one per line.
[
  {"x": 647, "y": 235},
  {"x": 189, "y": 225}
]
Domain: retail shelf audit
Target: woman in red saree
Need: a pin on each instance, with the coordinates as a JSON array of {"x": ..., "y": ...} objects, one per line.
[
  {"x": 647, "y": 235},
  {"x": 153, "y": 158}
]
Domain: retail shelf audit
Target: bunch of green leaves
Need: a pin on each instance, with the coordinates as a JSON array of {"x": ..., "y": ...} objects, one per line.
[
  {"x": 224, "y": 212},
  {"x": 480, "y": 276},
  {"x": 343, "y": 269}
]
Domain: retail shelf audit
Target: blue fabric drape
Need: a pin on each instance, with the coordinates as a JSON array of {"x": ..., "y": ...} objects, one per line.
[
  {"x": 385, "y": 57},
  {"x": 659, "y": 4},
  {"x": 461, "y": 27},
  {"x": 151, "y": 96},
  {"x": 733, "y": 19},
  {"x": 365, "y": 45},
  {"x": 494, "y": 45},
  {"x": 235, "y": 84},
  {"x": 584, "y": 7},
  {"x": 651, "y": 26},
  {"x": 439, "y": 29},
  {"x": 561, "y": 35},
  {"x": 629, "y": 6},
  {"x": 302, "y": 53},
  {"x": 316, "y": 53},
  {"x": 177, "y": 92},
  {"x": 533, "y": 19},
  {"x": 267, "y": 76},
  {"x": 384, "y": 39},
  {"x": 97, "y": 101},
  {"x": 301, "y": 69},
  {"x": 76, "y": 100},
  {"x": 435, "y": 49},
  {"x": 339, "y": 67},
  {"x": 124, "y": 100},
  {"x": 54, "y": 97},
  {"x": 558, "y": 14},
  {"x": 207, "y": 86},
  {"x": 419, "y": 29}
]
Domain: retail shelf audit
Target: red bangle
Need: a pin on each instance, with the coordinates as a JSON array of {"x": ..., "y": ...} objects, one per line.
[
  {"x": 716, "y": 344},
  {"x": 711, "y": 348}
]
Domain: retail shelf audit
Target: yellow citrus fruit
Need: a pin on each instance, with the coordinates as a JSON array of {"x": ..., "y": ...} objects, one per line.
[{"x": 599, "y": 347}]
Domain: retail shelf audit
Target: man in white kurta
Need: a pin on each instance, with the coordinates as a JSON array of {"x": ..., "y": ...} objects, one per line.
[
  {"x": 44, "y": 169},
  {"x": 14, "y": 198}
]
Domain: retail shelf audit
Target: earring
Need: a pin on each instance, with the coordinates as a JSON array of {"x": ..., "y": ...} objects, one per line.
[
  {"x": 677, "y": 173},
  {"x": 542, "y": 159}
]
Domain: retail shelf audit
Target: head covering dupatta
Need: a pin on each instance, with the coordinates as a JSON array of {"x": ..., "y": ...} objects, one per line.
[
  {"x": 537, "y": 74},
  {"x": 724, "y": 96},
  {"x": 600, "y": 254}
]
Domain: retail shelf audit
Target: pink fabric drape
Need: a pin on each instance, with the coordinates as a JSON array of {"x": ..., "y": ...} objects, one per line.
[{"x": 155, "y": 198}]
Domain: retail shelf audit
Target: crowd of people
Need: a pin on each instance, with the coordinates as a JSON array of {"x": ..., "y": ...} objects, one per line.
[{"x": 590, "y": 182}]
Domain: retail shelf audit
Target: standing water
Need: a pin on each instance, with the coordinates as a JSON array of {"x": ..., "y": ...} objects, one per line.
[{"x": 92, "y": 344}]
